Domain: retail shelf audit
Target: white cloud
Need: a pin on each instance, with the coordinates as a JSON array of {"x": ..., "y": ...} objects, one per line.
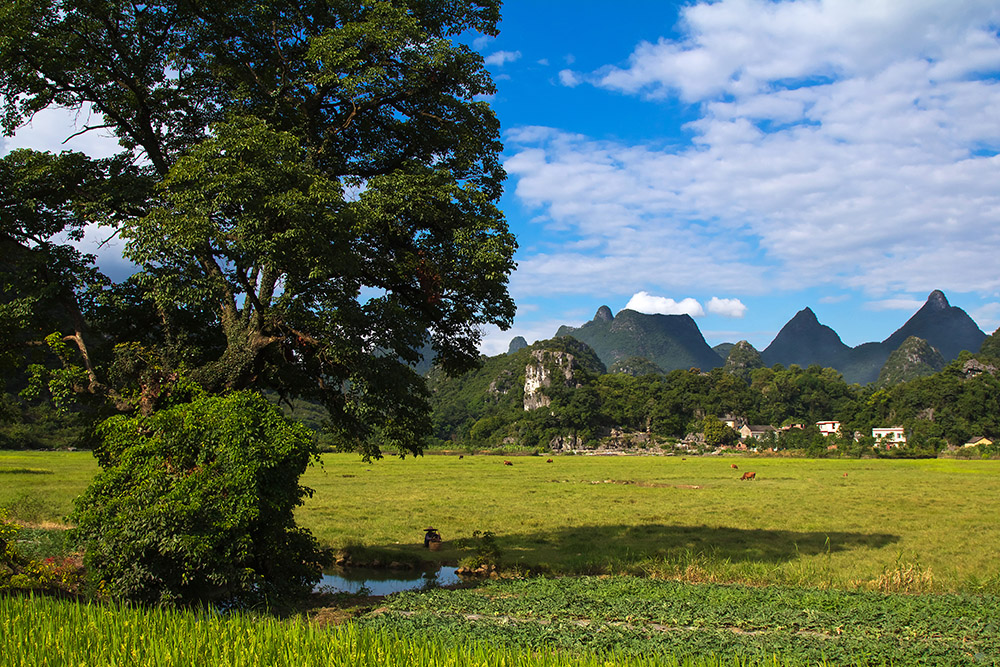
[
  {"x": 53, "y": 129},
  {"x": 501, "y": 58},
  {"x": 834, "y": 299},
  {"x": 741, "y": 47},
  {"x": 644, "y": 302},
  {"x": 987, "y": 317},
  {"x": 726, "y": 307},
  {"x": 568, "y": 78},
  {"x": 841, "y": 144},
  {"x": 895, "y": 304}
]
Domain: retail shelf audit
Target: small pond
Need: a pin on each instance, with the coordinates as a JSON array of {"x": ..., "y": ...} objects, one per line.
[{"x": 384, "y": 582}]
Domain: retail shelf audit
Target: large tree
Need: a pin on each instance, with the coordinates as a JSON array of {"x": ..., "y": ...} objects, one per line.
[{"x": 308, "y": 186}]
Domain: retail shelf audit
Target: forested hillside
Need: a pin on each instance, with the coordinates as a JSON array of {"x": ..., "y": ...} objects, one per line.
[{"x": 487, "y": 409}]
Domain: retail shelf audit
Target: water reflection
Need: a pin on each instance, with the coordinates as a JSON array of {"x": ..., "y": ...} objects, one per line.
[{"x": 385, "y": 582}]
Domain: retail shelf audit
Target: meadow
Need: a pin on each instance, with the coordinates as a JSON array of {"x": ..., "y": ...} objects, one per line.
[
  {"x": 924, "y": 525},
  {"x": 864, "y": 562},
  {"x": 916, "y": 525}
]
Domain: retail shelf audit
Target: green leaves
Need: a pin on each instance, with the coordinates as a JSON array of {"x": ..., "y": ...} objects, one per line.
[
  {"x": 195, "y": 504},
  {"x": 642, "y": 617},
  {"x": 316, "y": 196}
]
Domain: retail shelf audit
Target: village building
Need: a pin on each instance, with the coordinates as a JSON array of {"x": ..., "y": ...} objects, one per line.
[
  {"x": 733, "y": 422},
  {"x": 752, "y": 431},
  {"x": 978, "y": 441},
  {"x": 893, "y": 436},
  {"x": 829, "y": 427}
]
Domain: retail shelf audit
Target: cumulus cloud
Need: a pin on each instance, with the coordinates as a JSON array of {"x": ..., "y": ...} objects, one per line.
[
  {"x": 742, "y": 47},
  {"x": 501, "y": 58},
  {"x": 726, "y": 307},
  {"x": 842, "y": 144},
  {"x": 645, "y": 302}
]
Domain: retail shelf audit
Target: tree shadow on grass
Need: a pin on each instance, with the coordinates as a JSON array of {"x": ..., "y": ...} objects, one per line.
[{"x": 627, "y": 545}]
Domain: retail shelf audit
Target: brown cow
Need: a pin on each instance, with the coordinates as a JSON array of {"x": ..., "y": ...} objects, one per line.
[
  {"x": 507, "y": 463},
  {"x": 549, "y": 461},
  {"x": 748, "y": 475},
  {"x": 734, "y": 466}
]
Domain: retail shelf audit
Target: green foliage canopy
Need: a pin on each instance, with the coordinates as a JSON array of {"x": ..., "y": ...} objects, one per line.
[
  {"x": 309, "y": 189},
  {"x": 195, "y": 504}
]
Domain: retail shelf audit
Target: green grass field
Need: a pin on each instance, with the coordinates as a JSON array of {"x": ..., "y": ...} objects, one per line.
[
  {"x": 917, "y": 525},
  {"x": 922, "y": 525},
  {"x": 905, "y": 549}
]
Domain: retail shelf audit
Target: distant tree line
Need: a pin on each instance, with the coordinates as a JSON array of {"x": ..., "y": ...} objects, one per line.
[{"x": 485, "y": 408}]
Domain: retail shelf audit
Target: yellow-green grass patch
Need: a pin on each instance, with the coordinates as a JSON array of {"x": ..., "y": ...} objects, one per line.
[{"x": 889, "y": 525}]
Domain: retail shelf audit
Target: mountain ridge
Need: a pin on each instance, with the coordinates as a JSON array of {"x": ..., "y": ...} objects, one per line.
[
  {"x": 675, "y": 341},
  {"x": 669, "y": 341}
]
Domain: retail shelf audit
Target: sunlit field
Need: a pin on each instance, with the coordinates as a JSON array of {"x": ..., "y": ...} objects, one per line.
[
  {"x": 922, "y": 525},
  {"x": 835, "y": 523}
]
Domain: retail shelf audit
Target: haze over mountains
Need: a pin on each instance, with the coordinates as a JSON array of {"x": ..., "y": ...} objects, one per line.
[{"x": 674, "y": 341}]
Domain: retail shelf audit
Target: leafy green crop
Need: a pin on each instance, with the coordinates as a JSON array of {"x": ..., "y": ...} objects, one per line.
[{"x": 644, "y": 617}]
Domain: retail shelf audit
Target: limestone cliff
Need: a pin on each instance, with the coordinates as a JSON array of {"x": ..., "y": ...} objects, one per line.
[{"x": 545, "y": 367}]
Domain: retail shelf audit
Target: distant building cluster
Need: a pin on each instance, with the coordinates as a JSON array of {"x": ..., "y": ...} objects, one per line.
[{"x": 890, "y": 436}]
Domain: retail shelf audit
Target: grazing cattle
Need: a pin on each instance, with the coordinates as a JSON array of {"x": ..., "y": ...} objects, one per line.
[
  {"x": 507, "y": 463},
  {"x": 845, "y": 474},
  {"x": 461, "y": 456},
  {"x": 748, "y": 475},
  {"x": 734, "y": 466},
  {"x": 549, "y": 461}
]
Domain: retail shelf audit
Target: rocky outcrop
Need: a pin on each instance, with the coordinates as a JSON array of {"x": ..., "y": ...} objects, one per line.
[
  {"x": 974, "y": 367},
  {"x": 545, "y": 367},
  {"x": 565, "y": 443},
  {"x": 501, "y": 385},
  {"x": 517, "y": 343},
  {"x": 603, "y": 314},
  {"x": 636, "y": 367},
  {"x": 913, "y": 359},
  {"x": 742, "y": 359}
]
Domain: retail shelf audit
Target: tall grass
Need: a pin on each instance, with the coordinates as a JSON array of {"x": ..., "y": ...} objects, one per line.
[{"x": 43, "y": 632}]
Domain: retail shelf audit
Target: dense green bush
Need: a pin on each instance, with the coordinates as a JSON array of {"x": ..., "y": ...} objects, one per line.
[{"x": 195, "y": 504}]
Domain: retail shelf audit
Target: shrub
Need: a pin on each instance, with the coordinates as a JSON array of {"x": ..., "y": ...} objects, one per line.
[
  {"x": 195, "y": 505},
  {"x": 487, "y": 551},
  {"x": 8, "y": 533}
]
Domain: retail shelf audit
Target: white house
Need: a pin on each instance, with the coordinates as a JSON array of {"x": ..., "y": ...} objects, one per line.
[
  {"x": 829, "y": 427},
  {"x": 894, "y": 436},
  {"x": 752, "y": 431}
]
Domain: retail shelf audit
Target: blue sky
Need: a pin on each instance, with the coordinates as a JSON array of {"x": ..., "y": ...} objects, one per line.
[
  {"x": 743, "y": 159},
  {"x": 739, "y": 160}
]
